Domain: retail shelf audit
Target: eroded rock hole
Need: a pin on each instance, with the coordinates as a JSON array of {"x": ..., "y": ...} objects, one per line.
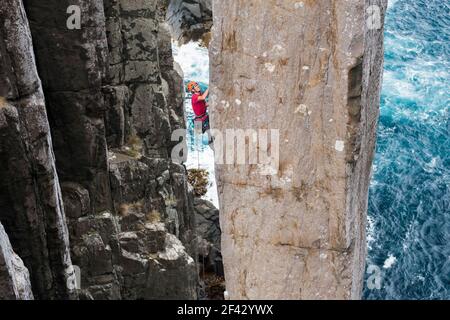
[{"x": 355, "y": 77}]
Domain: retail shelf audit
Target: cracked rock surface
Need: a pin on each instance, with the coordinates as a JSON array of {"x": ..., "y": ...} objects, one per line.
[
  {"x": 311, "y": 71},
  {"x": 87, "y": 182}
]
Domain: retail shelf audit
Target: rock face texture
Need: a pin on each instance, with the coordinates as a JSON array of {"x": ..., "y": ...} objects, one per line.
[
  {"x": 31, "y": 208},
  {"x": 212, "y": 281},
  {"x": 312, "y": 70},
  {"x": 100, "y": 197},
  {"x": 189, "y": 19},
  {"x": 14, "y": 277},
  {"x": 209, "y": 233}
]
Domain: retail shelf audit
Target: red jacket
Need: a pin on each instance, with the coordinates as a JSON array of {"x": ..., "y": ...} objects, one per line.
[{"x": 199, "y": 107}]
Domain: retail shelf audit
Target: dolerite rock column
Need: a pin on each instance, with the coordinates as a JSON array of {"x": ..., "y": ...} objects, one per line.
[
  {"x": 113, "y": 98},
  {"x": 312, "y": 70},
  {"x": 150, "y": 193},
  {"x": 30, "y": 198},
  {"x": 72, "y": 65}
]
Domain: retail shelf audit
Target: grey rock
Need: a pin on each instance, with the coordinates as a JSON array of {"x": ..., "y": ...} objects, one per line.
[
  {"x": 14, "y": 276},
  {"x": 96, "y": 251},
  {"x": 72, "y": 65},
  {"x": 172, "y": 273},
  {"x": 209, "y": 236},
  {"x": 113, "y": 99},
  {"x": 189, "y": 19},
  {"x": 208, "y": 224},
  {"x": 30, "y": 195},
  {"x": 76, "y": 200},
  {"x": 116, "y": 118}
]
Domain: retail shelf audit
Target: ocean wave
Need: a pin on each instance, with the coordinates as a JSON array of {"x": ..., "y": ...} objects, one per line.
[{"x": 409, "y": 196}]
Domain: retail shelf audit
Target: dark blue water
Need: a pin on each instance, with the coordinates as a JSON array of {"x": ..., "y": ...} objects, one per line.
[{"x": 409, "y": 201}]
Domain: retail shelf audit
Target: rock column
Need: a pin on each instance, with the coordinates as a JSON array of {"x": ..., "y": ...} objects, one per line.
[
  {"x": 31, "y": 206},
  {"x": 311, "y": 70}
]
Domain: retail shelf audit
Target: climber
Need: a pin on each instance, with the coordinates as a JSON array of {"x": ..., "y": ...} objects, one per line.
[{"x": 199, "y": 105}]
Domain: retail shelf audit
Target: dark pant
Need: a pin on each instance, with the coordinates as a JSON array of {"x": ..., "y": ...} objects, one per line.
[
  {"x": 205, "y": 128},
  {"x": 204, "y": 123}
]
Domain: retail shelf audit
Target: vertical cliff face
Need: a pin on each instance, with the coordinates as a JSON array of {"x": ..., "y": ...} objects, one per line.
[
  {"x": 312, "y": 70},
  {"x": 72, "y": 65},
  {"x": 112, "y": 100},
  {"x": 31, "y": 206}
]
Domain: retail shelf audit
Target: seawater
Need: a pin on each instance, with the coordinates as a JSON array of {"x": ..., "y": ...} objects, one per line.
[{"x": 409, "y": 199}]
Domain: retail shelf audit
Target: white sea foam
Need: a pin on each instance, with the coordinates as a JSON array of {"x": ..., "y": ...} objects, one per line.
[
  {"x": 390, "y": 261},
  {"x": 398, "y": 86},
  {"x": 391, "y": 3},
  {"x": 370, "y": 232},
  {"x": 194, "y": 61}
]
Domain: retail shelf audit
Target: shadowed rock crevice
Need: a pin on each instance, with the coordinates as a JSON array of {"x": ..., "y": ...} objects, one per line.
[{"x": 355, "y": 77}]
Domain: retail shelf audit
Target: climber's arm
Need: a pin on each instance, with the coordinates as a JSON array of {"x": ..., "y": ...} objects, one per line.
[{"x": 204, "y": 96}]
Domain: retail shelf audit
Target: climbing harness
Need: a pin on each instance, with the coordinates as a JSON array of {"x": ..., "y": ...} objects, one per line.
[{"x": 204, "y": 123}]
